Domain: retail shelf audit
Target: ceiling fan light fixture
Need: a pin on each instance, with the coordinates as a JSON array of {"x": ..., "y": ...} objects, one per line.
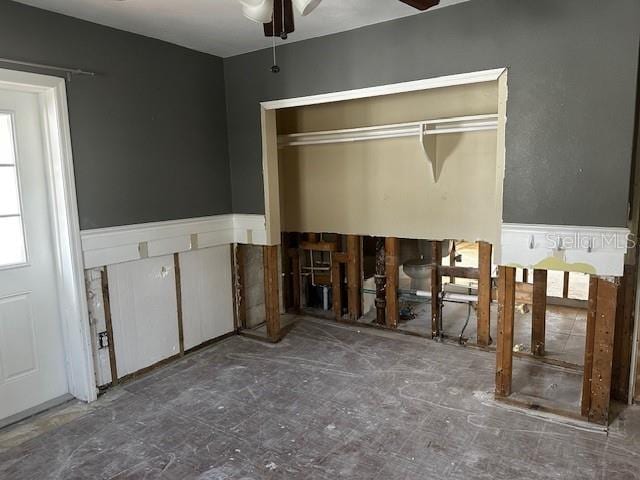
[
  {"x": 259, "y": 11},
  {"x": 305, "y": 7}
]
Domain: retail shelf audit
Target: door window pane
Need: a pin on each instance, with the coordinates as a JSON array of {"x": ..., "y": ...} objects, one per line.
[
  {"x": 12, "y": 249},
  {"x": 9, "y": 197},
  {"x": 12, "y": 246},
  {"x": 7, "y": 153}
]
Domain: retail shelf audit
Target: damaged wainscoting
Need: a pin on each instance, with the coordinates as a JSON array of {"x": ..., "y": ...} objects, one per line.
[
  {"x": 158, "y": 290},
  {"x": 259, "y": 298},
  {"x": 150, "y": 321}
]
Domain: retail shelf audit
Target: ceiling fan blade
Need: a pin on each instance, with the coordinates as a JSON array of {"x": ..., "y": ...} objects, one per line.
[
  {"x": 421, "y": 4},
  {"x": 274, "y": 28}
]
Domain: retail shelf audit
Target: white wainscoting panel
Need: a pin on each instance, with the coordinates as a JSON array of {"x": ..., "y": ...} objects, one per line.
[
  {"x": 107, "y": 246},
  {"x": 570, "y": 248},
  {"x": 144, "y": 312},
  {"x": 207, "y": 296}
]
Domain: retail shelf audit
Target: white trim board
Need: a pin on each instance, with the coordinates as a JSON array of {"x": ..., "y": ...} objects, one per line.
[
  {"x": 572, "y": 248},
  {"x": 108, "y": 246},
  {"x": 522, "y": 245},
  {"x": 66, "y": 235},
  {"x": 438, "y": 82}
]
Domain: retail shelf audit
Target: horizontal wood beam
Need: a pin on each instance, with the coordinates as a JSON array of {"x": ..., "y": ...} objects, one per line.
[
  {"x": 319, "y": 246},
  {"x": 460, "y": 272}
]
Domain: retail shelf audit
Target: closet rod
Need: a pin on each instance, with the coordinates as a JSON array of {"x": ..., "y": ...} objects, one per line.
[{"x": 68, "y": 71}]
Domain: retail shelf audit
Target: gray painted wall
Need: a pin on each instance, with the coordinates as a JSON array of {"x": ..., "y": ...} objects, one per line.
[
  {"x": 149, "y": 132},
  {"x": 572, "y": 86}
]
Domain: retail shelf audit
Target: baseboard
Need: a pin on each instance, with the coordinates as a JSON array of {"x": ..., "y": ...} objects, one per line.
[
  {"x": 107, "y": 246},
  {"x": 30, "y": 412}
]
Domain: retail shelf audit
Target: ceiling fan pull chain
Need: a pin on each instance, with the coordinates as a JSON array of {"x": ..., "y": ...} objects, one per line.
[{"x": 274, "y": 68}]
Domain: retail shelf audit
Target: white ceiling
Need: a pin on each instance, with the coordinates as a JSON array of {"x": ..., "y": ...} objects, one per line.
[{"x": 217, "y": 26}]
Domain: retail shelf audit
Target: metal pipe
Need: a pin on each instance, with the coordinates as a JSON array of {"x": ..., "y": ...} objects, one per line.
[{"x": 69, "y": 71}]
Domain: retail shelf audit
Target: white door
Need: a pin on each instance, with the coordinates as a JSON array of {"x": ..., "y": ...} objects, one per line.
[{"x": 32, "y": 367}]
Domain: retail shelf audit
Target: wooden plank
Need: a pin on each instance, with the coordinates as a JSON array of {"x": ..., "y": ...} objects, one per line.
[
  {"x": 603, "y": 351},
  {"x": 484, "y": 294},
  {"x": 239, "y": 291},
  {"x": 319, "y": 246},
  {"x": 539, "y": 312},
  {"x": 460, "y": 272},
  {"x": 341, "y": 257},
  {"x": 623, "y": 338},
  {"x": 353, "y": 277},
  {"x": 336, "y": 289},
  {"x": 271, "y": 291},
  {"x": 234, "y": 275},
  {"x": 452, "y": 262},
  {"x": 565, "y": 285},
  {"x": 176, "y": 270},
  {"x": 585, "y": 404},
  {"x": 285, "y": 259},
  {"x": 381, "y": 282},
  {"x": 106, "y": 302},
  {"x": 506, "y": 317},
  {"x": 392, "y": 268},
  {"x": 436, "y": 288},
  {"x": 524, "y": 293}
]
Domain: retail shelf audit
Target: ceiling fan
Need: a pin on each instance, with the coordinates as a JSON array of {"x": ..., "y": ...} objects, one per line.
[{"x": 277, "y": 15}]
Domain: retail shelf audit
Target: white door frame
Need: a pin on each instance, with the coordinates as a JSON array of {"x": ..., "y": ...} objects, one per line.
[{"x": 63, "y": 208}]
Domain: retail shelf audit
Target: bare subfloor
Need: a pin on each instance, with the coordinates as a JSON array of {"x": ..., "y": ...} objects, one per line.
[
  {"x": 565, "y": 336},
  {"x": 329, "y": 401}
]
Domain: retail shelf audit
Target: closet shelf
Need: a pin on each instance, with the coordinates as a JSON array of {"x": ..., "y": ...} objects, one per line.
[{"x": 471, "y": 123}]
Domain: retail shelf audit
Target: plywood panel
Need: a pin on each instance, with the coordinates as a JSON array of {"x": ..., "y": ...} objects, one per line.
[
  {"x": 144, "y": 312},
  {"x": 207, "y": 296},
  {"x": 385, "y": 188}
]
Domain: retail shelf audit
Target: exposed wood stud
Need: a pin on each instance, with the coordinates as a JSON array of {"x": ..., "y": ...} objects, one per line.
[
  {"x": 392, "y": 268},
  {"x": 623, "y": 338},
  {"x": 565, "y": 285},
  {"x": 271, "y": 292},
  {"x": 603, "y": 351},
  {"x": 452, "y": 262},
  {"x": 381, "y": 282},
  {"x": 484, "y": 294},
  {"x": 239, "y": 290},
  {"x": 353, "y": 277},
  {"x": 436, "y": 288},
  {"x": 106, "y": 302},
  {"x": 585, "y": 404},
  {"x": 176, "y": 270},
  {"x": 285, "y": 258},
  {"x": 539, "y": 312},
  {"x": 504, "y": 344},
  {"x": 234, "y": 274},
  {"x": 336, "y": 288}
]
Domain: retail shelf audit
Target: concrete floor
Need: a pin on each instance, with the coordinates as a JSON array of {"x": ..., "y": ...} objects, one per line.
[{"x": 329, "y": 401}]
